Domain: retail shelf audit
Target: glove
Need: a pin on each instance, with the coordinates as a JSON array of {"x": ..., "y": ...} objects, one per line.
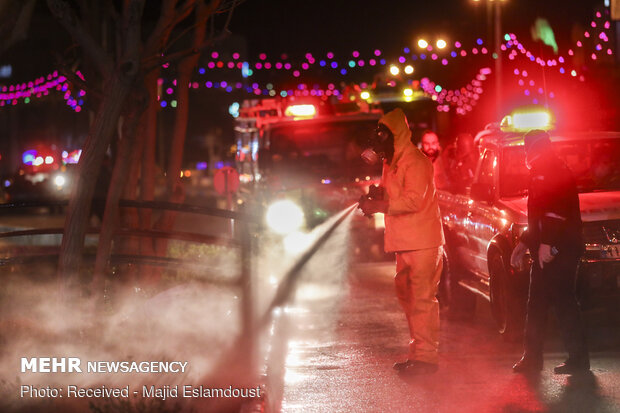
[
  {"x": 376, "y": 192},
  {"x": 544, "y": 254},
  {"x": 372, "y": 206},
  {"x": 516, "y": 259}
]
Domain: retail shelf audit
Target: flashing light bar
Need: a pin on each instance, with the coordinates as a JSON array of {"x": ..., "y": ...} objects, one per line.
[
  {"x": 300, "y": 111},
  {"x": 528, "y": 120},
  {"x": 365, "y": 95},
  {"x": 29, "y": 156},
  {"x": 72, "y": 157}
]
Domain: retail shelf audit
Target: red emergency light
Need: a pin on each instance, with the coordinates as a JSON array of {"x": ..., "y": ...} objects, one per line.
[
  {"x": 301, "y": 111},
  {"x": 524, "y": 119}
]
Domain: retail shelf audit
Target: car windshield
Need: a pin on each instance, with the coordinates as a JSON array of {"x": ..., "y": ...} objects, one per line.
[
  {"x": 595, "y": 165},
  {"x": 325, "y": 149}
]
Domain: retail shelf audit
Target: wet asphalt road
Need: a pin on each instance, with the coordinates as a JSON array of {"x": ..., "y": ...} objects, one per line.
[{"x": 342, "y": 347}]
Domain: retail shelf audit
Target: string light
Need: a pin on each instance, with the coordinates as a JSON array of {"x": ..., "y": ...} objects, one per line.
[
  {"x": 463, "y": 99},
  {"x": 596, "y": 35},
  {"x": 42, "y": 86}
]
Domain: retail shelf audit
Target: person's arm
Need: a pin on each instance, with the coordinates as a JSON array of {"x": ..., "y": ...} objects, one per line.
[{"x": 417, "y": 183}]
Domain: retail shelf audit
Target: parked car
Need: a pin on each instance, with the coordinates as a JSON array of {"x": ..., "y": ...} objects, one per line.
[{"x": 483, "y": 226}]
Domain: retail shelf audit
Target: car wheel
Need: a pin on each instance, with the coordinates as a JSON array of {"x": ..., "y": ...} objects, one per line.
[{"x": 506, "y": 306}]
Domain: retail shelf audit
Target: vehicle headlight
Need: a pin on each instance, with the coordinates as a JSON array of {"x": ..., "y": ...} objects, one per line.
[
  {"x": 60, "y": 180},
  {"x": 284, "y": 217}
]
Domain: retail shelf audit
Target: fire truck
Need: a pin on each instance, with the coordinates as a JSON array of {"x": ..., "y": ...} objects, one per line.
[{"x": 299, "y": 162}]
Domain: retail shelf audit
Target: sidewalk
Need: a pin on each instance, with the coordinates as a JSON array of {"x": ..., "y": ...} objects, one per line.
[{"x": 341, "y": 353}]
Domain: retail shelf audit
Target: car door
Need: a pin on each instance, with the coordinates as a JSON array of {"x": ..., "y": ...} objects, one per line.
[{"x": 480, "y": 220}]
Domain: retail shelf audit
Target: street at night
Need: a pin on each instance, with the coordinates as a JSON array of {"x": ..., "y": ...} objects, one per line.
[
  {"x": 341, "y": 361},
  {"x": 323, "y": 206}
]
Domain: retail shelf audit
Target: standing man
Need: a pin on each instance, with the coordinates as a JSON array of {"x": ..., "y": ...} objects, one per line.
[
  {"x": 554, "y": 238},
  {"x": 413, "y": 231},
  {"x": 465, "y": 162},
  {"x": 429, "y": 145}
]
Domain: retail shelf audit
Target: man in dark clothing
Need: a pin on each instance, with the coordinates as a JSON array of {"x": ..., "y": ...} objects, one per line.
[
  {"x": 466, "y": 160},
  {"x": 554, "y": 238}
]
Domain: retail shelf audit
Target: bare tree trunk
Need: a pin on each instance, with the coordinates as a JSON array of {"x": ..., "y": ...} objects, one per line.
[
  {"x": 110, "y": 217},
  {"x": 148, "y": 274},
  {"x": 185, "y": 70},
  {"x": 148, "y": 172},
  {"x": 119, "y": 66},
  {"x": 129, "y": 216},
  {"x": 118, "y": 76},
  {"x": 78, "y": 212}
]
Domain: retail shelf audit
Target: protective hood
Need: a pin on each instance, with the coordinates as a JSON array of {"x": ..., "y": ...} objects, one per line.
[{"x": 396, "y": 121}]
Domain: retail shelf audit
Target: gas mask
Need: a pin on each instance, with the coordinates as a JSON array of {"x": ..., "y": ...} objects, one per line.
[{"x": 380, "y": 146}]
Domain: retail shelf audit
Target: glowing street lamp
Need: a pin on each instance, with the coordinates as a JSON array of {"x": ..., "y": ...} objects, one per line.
[
  {"x": 394, "y": 70},
  {"x": 408, "y": 69},
  {"x": 422, "y": 44},
  {"x": 441, "y": 44}
]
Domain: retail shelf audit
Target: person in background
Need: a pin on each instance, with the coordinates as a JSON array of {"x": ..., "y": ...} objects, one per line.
[
  {"x": 413, "y": 231},
  {"x": 430, "y": 146},
  {"x": 555, "y": 241},
  {"x": 465, "y": 162}
]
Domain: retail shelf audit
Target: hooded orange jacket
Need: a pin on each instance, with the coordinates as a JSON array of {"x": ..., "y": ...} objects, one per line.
[{"x": 412, "y": 221}]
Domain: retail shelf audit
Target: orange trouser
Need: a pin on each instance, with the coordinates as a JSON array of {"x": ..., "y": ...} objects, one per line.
[{"x": 417, "y": 279}]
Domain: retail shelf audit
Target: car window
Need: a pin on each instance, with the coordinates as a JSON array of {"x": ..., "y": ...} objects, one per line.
[
  {"x": 487, "y": 168},
  {"x": 594, "y": 163}
]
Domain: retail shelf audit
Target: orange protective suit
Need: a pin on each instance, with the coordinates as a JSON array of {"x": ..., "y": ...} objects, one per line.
[{"x": 413, "y": 230}]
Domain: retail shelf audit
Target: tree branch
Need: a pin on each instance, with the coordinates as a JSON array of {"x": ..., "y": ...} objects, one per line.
[
  {"x": 212, "y": 8},
  {"x": 132, "y": 18},
  {"x": 73, "y": 78},
  {"x": 229, "y": 17},
  {"x": 155, "y": 61},
  {"x": 67, "y": 18},
  {"x": 169, "y": 18},
  {"x": 184, "y": 11},
  {"x": 165, "y": 20}
]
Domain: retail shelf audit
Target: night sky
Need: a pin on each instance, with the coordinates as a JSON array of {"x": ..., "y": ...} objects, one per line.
[
  {"x": 341, "y": 26},
  {"x": 277, "y": 26}
]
